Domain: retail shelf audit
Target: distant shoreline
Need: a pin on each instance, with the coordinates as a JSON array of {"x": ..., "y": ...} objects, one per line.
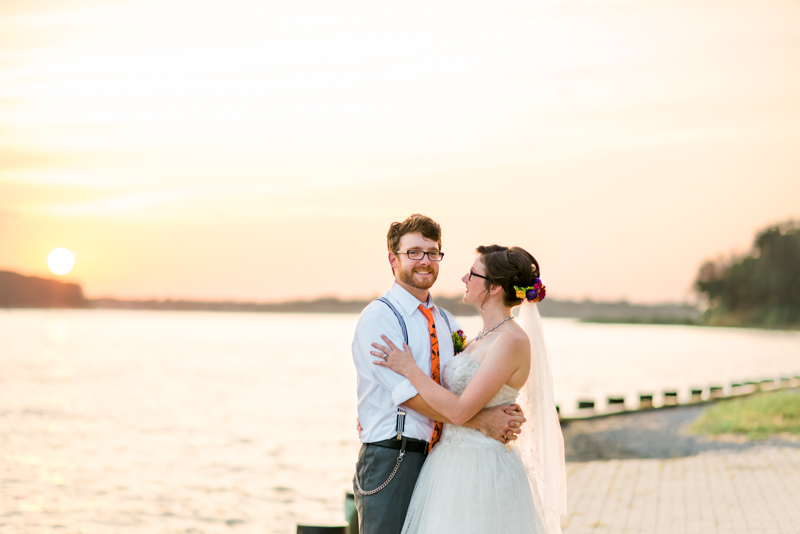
[
  {"x": 20, "y": 291},
  {"x": 587, "y": 310},
  {"x": 683, "y": 321}
]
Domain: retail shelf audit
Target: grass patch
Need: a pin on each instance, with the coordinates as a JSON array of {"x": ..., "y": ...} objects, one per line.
[{"x": 757, "y": 417}]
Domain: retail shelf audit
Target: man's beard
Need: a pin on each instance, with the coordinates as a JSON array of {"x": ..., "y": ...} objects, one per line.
[{"x": 407, "y": 276}]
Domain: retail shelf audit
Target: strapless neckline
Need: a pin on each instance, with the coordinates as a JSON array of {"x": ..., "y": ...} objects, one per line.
[
  {"x": 466, "y": 355},
  {"x": 456, "y": 376}
]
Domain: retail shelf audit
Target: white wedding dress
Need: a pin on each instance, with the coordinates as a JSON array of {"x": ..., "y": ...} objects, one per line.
[{"x": 470, "y": 483}]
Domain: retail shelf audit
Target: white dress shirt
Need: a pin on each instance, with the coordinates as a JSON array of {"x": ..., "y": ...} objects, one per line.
[{"x": 380, "y": 390}]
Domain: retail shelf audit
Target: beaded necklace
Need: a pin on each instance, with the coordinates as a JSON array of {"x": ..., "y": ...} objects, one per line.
[{"x": 484, "y": 332}]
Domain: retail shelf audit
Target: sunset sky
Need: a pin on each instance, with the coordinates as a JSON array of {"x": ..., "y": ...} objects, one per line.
[{"x": 255, "y": 150}]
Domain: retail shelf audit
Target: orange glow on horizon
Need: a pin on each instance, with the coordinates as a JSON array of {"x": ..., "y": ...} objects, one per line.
[{"x": 621, "y": 144}]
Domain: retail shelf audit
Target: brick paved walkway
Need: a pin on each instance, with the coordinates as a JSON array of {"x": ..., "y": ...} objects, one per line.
[{"x": 752, "y": 491}]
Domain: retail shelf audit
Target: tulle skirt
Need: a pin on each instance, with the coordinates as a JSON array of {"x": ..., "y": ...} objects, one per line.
[{"x": 471, "y": 484}]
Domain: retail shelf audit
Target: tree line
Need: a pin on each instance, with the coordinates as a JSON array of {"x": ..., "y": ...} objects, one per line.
[{"x": 761, "y": 289}]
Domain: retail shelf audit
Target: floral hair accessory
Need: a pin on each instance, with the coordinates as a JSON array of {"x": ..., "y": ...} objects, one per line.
[
  {"x": 534, "y": 293},
  {"x": 459, "y": 340}
]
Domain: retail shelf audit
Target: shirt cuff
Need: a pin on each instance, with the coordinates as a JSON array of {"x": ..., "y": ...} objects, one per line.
[{"x": 403, "y": 392}]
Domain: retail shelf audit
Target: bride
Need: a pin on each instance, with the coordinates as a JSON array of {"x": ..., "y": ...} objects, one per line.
[{"x": 471, "y": 483}]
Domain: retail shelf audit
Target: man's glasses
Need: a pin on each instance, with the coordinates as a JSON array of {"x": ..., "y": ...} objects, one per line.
[
  {"x": 473, "y": 273},
  {"x": 433, "y": 255}
]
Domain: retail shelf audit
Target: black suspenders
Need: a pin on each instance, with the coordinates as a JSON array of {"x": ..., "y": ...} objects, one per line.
[
  {"x": 403, "y": 322},
  {"x": 401, "y": 414}
]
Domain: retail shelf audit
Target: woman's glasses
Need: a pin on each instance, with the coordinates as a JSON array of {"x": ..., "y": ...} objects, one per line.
[{"x": 473, "y": 273}]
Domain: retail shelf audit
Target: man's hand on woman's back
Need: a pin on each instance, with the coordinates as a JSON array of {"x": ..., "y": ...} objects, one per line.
[{"x": 502, "y": 423}]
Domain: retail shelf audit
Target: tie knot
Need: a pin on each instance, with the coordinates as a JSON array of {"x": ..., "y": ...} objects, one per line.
[{"x": 427, "y": 312}]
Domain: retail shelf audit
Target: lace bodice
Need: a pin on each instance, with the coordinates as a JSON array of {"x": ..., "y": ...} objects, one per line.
[{"x": 457, "y": 374}]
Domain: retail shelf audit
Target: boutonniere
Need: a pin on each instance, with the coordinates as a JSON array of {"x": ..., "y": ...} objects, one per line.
[{"x": 459, "y": 340}]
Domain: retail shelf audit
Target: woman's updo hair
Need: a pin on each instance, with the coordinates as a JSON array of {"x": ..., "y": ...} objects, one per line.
[{"x": 508, "y": 267}]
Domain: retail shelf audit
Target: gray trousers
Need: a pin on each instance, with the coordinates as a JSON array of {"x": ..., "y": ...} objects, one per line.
[{"x": 385, "y": 511}]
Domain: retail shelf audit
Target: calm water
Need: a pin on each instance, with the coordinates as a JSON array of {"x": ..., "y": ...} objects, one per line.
[{"x": 210, "y": 422}]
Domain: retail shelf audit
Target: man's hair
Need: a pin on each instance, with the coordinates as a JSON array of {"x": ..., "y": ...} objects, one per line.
[{"x": 429, "y": 229}]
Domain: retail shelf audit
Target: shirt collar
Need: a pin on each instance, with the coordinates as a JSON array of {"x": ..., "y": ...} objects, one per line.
[{"x": 407, "y": 301}]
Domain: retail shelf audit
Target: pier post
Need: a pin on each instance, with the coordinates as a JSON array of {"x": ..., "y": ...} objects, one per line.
[
  {"x": 645, "y": 401},
  {"x": 715, "y": 392},
  {"x": 314, "y": 529},
  {"x": 616, "y": 403},
  {"x": 697, "y": 395},
  {"x": 350, "y": 512}
]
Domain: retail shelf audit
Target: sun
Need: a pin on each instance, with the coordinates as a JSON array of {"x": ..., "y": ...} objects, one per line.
[{"x": 60, "y": 261}]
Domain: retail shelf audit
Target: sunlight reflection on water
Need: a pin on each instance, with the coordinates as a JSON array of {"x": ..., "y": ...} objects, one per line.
[{"x": 117, "y": 421}]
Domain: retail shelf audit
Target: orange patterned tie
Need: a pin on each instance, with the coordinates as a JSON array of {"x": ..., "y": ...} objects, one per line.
[{"x": 428, "y": 313}]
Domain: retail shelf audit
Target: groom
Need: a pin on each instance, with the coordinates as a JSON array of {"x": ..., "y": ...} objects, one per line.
[{"x": 397, "y": 425}]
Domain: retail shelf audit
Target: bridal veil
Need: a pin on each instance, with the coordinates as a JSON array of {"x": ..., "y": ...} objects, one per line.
[{"x": 541, "y": 444}]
